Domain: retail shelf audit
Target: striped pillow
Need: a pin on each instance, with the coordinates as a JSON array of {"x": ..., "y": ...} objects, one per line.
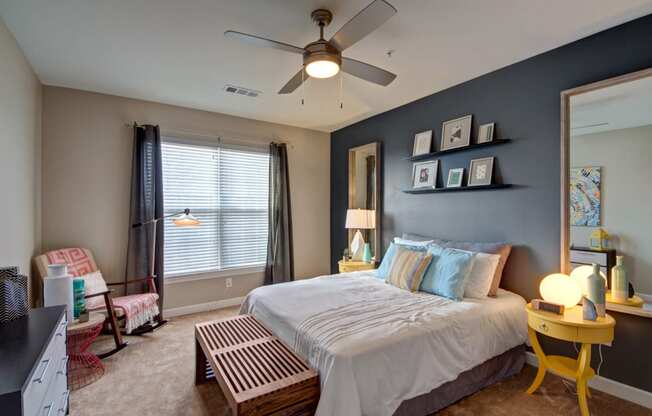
[{"x": 407, "y": 269}]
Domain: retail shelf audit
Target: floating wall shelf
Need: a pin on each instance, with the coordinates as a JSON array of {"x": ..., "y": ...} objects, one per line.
[
  {"x": 460, "y": 189},
  {"x": 433, "y": 155}
]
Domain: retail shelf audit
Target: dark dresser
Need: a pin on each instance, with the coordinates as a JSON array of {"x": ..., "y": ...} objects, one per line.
[{"x": 33, "y": 364}]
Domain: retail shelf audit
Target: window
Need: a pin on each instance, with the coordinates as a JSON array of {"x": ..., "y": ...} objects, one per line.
[{"x": 226, "y": 188}]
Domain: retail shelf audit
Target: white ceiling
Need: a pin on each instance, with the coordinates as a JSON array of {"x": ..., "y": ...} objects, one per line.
[
  {"x": 617, "y": 107},
  {"x": 174, "y": 51}
]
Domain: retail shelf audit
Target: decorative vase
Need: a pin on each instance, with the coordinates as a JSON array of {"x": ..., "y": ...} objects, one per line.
[
  {"x": 78, "y": 293},
  {"x": 619, "y": 282},
  {"x": 589, "y": 312},
  {"x": 366, "y": 256},
  {"x": 596, "y": 290}
]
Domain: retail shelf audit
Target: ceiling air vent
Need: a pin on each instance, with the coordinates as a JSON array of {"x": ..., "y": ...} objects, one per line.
[{"x": 241, "y": 91}]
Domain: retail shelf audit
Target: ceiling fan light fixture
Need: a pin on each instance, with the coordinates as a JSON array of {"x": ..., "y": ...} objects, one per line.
[{"x": 322, "y": 69}]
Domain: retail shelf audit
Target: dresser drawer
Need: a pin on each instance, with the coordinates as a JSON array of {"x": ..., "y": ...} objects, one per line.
[
  {"x": 587, "y": 257},
  {"x": 46, "y": 372},
  {"x": 552, "y": 329},
  {"x": 55, "y": 402}
]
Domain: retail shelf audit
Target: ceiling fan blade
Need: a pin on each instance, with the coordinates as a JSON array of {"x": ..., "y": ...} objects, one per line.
[
  {"x": 295, "y": 82},
  {"x": 367, "y": 72},
  {"x": 258, "y": 41},
  {"x": 362, "y": 24}
]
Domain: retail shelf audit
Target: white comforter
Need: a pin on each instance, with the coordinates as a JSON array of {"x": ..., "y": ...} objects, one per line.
[{"x": 375, "y": 345}]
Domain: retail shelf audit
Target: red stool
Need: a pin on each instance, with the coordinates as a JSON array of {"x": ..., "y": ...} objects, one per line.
[{"x": 84, "y": 367}]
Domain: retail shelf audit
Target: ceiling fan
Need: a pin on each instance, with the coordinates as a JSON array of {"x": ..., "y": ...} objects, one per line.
[{"x": 323, "y": 58}]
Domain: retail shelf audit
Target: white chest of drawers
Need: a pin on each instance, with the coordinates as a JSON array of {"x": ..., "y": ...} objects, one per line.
[{"x": 33, "y": 364}]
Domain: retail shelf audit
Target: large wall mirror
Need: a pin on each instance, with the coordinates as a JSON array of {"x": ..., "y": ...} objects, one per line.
[
  {"x": 607, "y": 180},
  {"x": 364, "y": 186}
]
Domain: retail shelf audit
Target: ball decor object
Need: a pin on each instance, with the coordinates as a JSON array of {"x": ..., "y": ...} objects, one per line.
[{"x": 560, "y": 288}]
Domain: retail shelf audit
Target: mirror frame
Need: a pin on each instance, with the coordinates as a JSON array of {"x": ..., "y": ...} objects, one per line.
[
  {"x": 565, "y": 151},
  {"x": 350, "y": 166}
]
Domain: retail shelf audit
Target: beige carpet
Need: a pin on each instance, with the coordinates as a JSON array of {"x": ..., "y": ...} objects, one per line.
[{"x": 154, "y": 376}]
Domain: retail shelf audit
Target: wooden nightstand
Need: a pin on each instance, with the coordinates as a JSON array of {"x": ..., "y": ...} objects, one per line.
[
  {"x": 573, "y": 328},
  {"x": 354, "y": 266}
]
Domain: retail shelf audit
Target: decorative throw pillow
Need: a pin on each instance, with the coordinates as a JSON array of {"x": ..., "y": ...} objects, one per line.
[
  {"x": 94, "y": 283},
  {"x": 448, "y": 272},
  {"x": 408, "y": 267},
  {"x": 481, "y": 276},
  {"x": 502, "y": 249},
  {"x": 383, "y": 270}
]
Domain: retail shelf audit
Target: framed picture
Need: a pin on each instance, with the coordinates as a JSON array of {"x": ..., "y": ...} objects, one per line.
[
  {"x": 481, "y": 171},
  {"x": 422, "y": 143},
  {"x": 585, "y": 191},
  {"x": 486, "y": 133},
  {"x": 424, "y": 174},
  {"x": 456, "y": 133},
  {"x": 455, "y": 178}
]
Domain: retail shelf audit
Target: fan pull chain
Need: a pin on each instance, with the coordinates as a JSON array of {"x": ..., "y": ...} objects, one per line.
[
  {"x": 341, "y": 80},
  {"x": 303, "y": 86}
]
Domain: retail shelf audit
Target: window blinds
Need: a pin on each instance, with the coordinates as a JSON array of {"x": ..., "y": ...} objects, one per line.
[{"x": 226, "y": 188}]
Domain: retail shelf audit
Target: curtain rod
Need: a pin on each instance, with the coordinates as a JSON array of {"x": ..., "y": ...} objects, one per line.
[{"x": 218, "y": 136}]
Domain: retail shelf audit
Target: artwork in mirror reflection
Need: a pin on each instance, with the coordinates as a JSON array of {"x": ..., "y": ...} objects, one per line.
[{"x": 610, "y": 174}]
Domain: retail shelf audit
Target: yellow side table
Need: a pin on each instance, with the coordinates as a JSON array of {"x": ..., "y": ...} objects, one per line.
[
  {"x": 354, "y": 266},
  {"x": 573, "y": 328}
]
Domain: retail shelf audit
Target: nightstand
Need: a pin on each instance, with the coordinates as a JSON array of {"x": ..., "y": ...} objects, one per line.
[
  {"x": 354, "y": 266},
  {"x": 573, "y": 328}
]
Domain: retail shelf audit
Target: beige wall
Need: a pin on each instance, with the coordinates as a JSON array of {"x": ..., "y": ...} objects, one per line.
[
  {"x": 624, "y": 156},
  {"x": 87, "y": 165},
  {"x": 20, "y": 137}
]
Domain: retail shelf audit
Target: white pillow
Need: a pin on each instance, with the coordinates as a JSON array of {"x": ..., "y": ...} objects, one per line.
[
  {"x": 482, "y": 273},
  {"x": 94, "y": 283},
  {"x": 402, "y": 241}
]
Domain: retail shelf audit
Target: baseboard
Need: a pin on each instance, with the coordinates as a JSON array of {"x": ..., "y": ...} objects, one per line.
[
  {"x": 202, "y": 307},
  {"x": 606, "y": 385}
]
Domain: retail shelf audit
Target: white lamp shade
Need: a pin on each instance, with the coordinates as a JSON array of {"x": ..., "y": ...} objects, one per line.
[
  {"x": 560, "y": 288},
  {"x": 580, "y": 275},
  {"x": 360, "y": 219}
]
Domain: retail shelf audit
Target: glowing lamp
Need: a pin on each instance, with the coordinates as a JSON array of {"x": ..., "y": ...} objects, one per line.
[
  {"x": 322, "y": 69},
  {"x": 559, "y": 288},
  {"x": 580, "y": 275}
]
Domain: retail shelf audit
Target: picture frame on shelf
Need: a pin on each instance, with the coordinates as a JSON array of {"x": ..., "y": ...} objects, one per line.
[
  {"x": 455, "y": 178},
  {"x": 486, "y": 133},
  {"x": 422, "y": 143},
  {"x": 481, "y": 171},
  {"x": 456, "y": 133},
  {"x": 424, "y": 174}
]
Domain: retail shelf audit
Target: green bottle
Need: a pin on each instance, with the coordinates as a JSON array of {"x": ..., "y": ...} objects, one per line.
[
  {"x": 596, "y": 290},
  {"x": 619, "y": 282}
]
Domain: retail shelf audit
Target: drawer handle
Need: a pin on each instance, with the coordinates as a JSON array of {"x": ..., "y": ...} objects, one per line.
[
  {"x": 64, "y": 366},
  {"x": 64, "y": 402},
  {"x": 39, "y": 379},
  {"x": 543, "y": 327},
  {"x": 48, "y": 408}
]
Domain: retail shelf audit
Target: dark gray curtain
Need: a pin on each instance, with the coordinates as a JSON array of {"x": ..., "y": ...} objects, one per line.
[
  {"x": 146, "y": 205},
  {"x": 280, "y": 260}
]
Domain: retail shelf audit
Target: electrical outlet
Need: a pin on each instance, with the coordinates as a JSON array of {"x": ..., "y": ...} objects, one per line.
[{"x": 229, "y": 282}]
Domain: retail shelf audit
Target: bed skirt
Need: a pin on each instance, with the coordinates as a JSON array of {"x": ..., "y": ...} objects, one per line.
[{"x": 491, "y": 371}]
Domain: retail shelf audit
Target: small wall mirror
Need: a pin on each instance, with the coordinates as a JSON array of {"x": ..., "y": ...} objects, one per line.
[
  {"x": 606, "y": 180},
  {"x": 364, "y": 185}
]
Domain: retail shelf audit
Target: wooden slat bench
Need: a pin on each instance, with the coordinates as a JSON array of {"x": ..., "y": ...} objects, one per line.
[{"x": 257, "y": 373}]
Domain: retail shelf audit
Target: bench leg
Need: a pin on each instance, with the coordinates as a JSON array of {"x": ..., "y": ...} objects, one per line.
[{"x": 200, "y": 364}]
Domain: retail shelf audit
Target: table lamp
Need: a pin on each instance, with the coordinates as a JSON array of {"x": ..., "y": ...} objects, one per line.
[
  {"x": 561, "y": 289},
  {"x": 359, "y": 219}
]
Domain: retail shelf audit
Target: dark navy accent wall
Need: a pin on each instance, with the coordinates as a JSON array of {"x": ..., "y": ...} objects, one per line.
[{"x": 524, "y": 101}]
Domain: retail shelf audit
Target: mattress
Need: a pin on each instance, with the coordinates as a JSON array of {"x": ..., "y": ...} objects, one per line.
[{"x": 375, "y": 345}]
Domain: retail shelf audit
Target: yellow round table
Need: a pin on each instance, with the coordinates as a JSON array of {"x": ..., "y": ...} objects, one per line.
[
  {"x": 573, "y": 328},
  {"x": 354, "y": 266}
]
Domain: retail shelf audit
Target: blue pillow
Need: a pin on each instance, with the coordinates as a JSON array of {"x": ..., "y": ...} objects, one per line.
[
  {"x": 447, "y": 274},
  {"x": 383, "y": 270}
]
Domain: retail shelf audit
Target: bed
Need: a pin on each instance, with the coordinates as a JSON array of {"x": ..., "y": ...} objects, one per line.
[{"x": 383, "y": 351}]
